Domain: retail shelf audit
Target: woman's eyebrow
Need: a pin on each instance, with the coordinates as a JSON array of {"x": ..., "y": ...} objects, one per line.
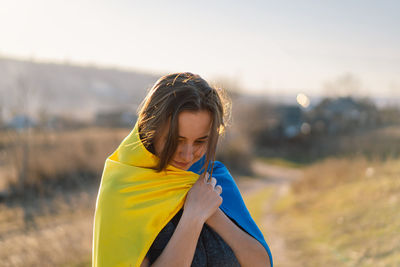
[{"x": 203, "y": 137}]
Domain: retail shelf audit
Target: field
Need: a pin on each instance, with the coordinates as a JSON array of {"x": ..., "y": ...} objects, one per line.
[
  {"x": 48, "y": 232},
  {"x": 339, "y": 211},
  {"x": 344, "y": 212}
]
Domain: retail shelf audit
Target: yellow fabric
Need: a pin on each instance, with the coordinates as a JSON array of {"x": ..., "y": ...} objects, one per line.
[{"x": 134, "y": 203}]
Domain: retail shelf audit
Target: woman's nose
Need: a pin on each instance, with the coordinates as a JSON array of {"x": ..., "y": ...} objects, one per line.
[{"x": 186, "y": 153}]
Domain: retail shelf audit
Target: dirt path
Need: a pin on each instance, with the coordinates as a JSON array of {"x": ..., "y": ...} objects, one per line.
[{"x": 279, "y": 178}]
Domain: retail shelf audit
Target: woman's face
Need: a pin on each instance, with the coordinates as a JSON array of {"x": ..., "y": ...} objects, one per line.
[{"x": 194, "y": 129}]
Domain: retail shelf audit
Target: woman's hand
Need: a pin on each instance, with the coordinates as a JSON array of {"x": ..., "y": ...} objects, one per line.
[{"x": 203, "y": 199}]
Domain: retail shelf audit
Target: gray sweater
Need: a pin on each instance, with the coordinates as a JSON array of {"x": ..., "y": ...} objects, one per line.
[{"x": 211, "y": 249}]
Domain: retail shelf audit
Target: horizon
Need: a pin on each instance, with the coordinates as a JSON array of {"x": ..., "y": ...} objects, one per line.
[
  {"x": 280, "y": 92},
  {"x": 281, "y": 96}
]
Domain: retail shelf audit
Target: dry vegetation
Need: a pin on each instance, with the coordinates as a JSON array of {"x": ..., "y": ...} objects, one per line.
[
  {"x": 380, "y": 143},
  {"x": 48, "y": 232},
  {"x": 344, "y": 213},
  {"x": 72, "y": 159},
  {"x": 47, "y": 218},
  {"x": 55, "y": 160}
]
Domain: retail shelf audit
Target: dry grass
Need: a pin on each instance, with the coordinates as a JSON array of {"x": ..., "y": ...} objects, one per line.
[
  {"x": 56, "y": 159},
  {"x": 47, "y": 219},
  {"x": 48, "y": 232},
  {"x": 345, "y": 213},
  {"x": 377, "y": 143},
  {"x": 350, "y": 220}
]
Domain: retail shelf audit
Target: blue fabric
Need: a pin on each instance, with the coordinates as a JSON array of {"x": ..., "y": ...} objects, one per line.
[{"x": 232, "y": 204}]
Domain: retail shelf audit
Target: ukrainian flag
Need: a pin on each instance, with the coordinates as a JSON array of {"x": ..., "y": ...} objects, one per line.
[{"x": 134, "y": 203}]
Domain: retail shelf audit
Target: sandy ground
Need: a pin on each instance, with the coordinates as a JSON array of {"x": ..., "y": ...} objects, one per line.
[{"x": 278, "y": 178}]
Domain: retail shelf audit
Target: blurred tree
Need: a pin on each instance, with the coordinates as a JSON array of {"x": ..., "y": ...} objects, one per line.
[
  {"x": 235, "y": 148},
  {"x": 232, "y": 86},
  {"x": 345, "y": 85},
  {"x": 390, "y": 115},
  {"x": 343, "y": 115},
  {"x": 20, "y": 141},
  {"x": 43, "y": 117},
  {"x": 1, "y": 112}
]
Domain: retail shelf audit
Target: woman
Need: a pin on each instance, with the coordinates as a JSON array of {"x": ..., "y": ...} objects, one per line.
[{"x": 159, "y": 202}]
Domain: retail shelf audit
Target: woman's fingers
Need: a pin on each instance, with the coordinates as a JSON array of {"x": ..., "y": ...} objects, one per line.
[
  {"x": 218, "y": 188},
  {"x": 213, "y": 182},
  {"x": 206, "y": 177}
]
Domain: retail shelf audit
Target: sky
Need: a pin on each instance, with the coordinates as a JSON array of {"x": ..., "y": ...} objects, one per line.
[{"x": 269, "y": 47}]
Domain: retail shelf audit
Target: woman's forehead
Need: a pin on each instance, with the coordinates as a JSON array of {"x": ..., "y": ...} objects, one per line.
[{"x": 194, "y": 124}]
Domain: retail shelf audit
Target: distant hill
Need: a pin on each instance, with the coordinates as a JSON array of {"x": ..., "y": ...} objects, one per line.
[{"x": 79, "y": 91}]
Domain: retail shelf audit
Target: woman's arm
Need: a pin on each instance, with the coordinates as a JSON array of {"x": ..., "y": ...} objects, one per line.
[
  {"x": 201, "y": 202},
  {"x": 182, "y": 245},
  {"x": 247, "y": 249}
]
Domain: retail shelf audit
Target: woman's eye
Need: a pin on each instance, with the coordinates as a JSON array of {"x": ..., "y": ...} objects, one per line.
[{"x": 200, "y": 142}]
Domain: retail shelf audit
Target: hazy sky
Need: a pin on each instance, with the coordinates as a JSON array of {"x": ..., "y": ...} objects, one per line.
[{"x": 265, "y": 46}]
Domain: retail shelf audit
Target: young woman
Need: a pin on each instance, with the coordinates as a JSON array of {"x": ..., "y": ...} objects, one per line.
[{"x": 163, "y": 200}]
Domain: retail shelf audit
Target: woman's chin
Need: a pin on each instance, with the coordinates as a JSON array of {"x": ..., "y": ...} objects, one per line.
[{"x": 184, "y": 167}]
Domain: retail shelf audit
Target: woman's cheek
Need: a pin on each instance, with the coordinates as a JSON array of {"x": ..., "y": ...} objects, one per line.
[{"x": 202, "y": 151}]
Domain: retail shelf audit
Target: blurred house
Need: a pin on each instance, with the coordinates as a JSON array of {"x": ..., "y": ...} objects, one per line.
[
  {"x": 63, "y": 122},
  {"x": 286, "y": 122},
  {"x": 291, "y": 120},
  {"x": 331, "y": 116},
  {"x": 115, "y": 118},
  {"x": 20, "y": 122},
  {"x": 343, "y": 115}
]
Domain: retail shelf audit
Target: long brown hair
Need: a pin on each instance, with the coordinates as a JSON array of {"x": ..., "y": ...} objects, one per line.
[{"x": 171, "y": 95}]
